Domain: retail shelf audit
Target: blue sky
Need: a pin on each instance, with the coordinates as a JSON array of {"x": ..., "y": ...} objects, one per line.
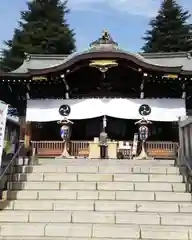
[{"x": 126, "y": 20}]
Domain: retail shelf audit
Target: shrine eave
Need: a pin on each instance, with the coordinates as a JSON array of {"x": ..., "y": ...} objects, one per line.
[
  {"x": 112, "y": 54},
  {"x": 15, "y": 75},
  {"x": 151, "y": 62}
]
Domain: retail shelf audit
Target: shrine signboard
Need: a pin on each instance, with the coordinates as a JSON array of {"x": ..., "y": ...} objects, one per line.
[{"x": 3, "y": 118}]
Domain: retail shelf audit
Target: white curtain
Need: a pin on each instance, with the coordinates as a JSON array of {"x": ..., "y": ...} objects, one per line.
[{"x": 46, "y": 110}]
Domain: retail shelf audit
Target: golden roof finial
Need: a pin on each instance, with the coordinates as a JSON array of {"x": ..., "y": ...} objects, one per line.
[
  {"x": 104, "y": 39},
  {"x": 105, "y": 34}
]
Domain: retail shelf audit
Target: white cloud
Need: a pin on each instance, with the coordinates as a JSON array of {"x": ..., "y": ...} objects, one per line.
[
  {"x": 137, "y": 7},
  {"x": 146, "y": 8}
]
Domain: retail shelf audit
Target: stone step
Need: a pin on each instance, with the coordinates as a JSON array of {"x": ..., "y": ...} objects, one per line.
[
  {"x": 53, "y": 161},
  {"x": 63, "y": 238},
  {"x": 100, "y": 206},
  {"x": 97, "y": 195},
  {"x": 96, "y": 177},
  {"x": 114, "y": 231},
  {"x": 98, "y": 200},
  {"x": 103, "y": 186},
  {"x": 98, "y": 169},
  {"x": 165, "y": 219}
]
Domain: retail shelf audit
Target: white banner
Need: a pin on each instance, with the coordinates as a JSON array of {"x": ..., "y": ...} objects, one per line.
[
  {"x": 46, "y": 110},
  {"x": 135, "y": 143},
  {"x": 3, "y": 118}
]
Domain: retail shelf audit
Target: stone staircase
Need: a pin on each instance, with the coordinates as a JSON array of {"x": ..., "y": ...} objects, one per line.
[{"x": 99, "y": 200}]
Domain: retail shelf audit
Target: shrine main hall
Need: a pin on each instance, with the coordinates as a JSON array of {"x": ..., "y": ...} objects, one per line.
[{"x": 104, "y": 81}]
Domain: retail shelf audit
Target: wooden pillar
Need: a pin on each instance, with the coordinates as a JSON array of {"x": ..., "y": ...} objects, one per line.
[
  {"x": 25, "y": 127},
  {"x": 142, "y": 86},
  {"x": 27, "y": 137},
  {"x": 25, "y": 131},
  {"x": 181, "y": 144},
  {"x": 22, "y": 129}
]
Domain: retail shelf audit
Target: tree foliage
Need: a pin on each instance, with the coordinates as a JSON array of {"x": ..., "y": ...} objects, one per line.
[
  {"x": 170, "y": 30},
  {"x": 43, "y": 29}
]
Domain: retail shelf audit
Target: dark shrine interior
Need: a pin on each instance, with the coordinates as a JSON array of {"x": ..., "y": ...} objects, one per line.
[
  {"x": 123, "y": 80},
  {"x": 117, "y": 129}
]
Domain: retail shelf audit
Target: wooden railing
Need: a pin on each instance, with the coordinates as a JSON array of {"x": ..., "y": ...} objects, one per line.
[
  {"x": 185, "y": 142},
  {"x": 55, "y": 148},
  {"x": 162, "y": 149},
  {"x": 48, "y": 148},
  {"x": 184, "y": 158},
  {"x": 81, "y": 148}
]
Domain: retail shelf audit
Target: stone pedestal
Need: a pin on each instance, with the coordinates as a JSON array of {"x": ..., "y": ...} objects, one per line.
[
  {"x": 94, "y": 150},
  {"x": 112, "y": 150},
  {"x": 143, "y": 154}
]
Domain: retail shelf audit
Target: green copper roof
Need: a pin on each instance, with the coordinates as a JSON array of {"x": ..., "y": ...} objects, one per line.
[
  {"x": 171, "y": 59},
  {"x": 102, "y": 47},
  {"x": 183, "y": 59},
  {"x": 40, "y": 61}
]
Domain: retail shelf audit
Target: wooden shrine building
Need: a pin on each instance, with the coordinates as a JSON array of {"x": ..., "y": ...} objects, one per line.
[{"x": 104, "y": 80}]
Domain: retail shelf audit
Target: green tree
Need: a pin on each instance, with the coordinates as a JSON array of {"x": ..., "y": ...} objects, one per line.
[
  {"x": 43, "y": 29},
  {"x": 170, "y": 30}
]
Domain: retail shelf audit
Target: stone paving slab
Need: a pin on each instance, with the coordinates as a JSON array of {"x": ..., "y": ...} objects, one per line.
[
  {"x": 102, "y": 186},
  {"x": 90, "y": 168},
  {"x": 97, "y": 177},
  {"x": 93, "y": 217},
  {"x": 65, "y": 238},
  {"x": 97, "y": 195},
  {"x": 114, "y": 231},
  {"x": 47, "y": 161}
]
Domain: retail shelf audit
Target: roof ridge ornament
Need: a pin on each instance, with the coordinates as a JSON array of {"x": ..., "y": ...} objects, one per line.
[{"x": 104, "y": 41}]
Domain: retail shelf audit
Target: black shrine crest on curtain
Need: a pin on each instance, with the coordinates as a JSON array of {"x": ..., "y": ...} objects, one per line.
[
  {"x": 144, "y": 110},
  {"x": 64, "y": 110}
]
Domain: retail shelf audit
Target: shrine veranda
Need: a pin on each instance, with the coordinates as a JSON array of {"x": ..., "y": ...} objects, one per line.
[{"x": 102, "y": 81}]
